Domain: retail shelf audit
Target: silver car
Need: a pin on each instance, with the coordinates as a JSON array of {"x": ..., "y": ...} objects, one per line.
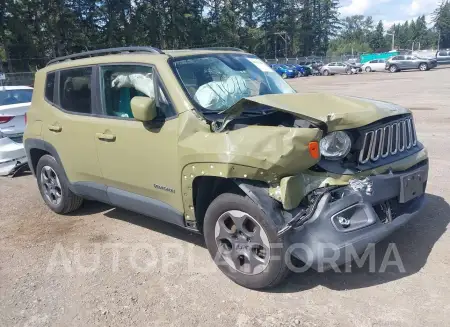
[
  {"x": 334, "y": 68},
  {"x": 443, "y": 56},
  {"x": 399, "y": 63}
]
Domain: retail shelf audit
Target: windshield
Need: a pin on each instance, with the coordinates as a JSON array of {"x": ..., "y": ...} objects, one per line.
[
  {"x": 217, "y": 81},
  {"x": 8, "y": 97}
]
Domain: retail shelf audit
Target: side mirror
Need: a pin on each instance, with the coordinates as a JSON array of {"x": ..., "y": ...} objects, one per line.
[{"x": 143, "y": 108}]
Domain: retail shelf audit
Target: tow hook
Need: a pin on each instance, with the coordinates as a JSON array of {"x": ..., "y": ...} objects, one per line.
[{"x": 304, "y": 215}]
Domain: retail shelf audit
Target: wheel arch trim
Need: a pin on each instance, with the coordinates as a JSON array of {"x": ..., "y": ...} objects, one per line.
[{"x": 254, "y": 182}]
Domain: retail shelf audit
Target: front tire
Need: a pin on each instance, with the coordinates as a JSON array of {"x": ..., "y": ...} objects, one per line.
[
  {"x": 368, "y": 69},
  {"x": 423, "y": 67},
  {"x": 284, "y": 76},
  {"x": 54, "y": 186},
  {"x": 326, "y": 72},
  {"x": 244, "y": 243},
  {"x": 393, "y": 69}
]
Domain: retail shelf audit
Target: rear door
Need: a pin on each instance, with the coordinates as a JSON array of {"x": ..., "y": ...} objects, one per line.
[
  {"x": 68, "y": 123},
  {"x": 341, "y": 68},
  {"x": 332, "y": 67},
  {"x": 380, "y": 65}
]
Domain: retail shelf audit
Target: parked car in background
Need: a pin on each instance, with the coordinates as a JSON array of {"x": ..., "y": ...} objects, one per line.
[
  {"x": 399, "y": 63},
  {"x": 284, "y": 71},
  {"x": 308, "y": 70},
  {"x": 376, "y": 65},
  {"x": 14, "y": 103},
  {"x": 443, "y": 57},
  {"x": 354, "y": 63},
  {"x": 334, "y": 68},
  {"x": 301, "y": 71}
]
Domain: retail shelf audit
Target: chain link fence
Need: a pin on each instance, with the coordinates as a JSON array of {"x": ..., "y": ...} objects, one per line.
[
  {"x": 14, "y": 79},
  {"x": 300, "y": 60}
]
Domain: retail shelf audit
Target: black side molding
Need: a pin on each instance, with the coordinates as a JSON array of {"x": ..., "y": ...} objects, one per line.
[{"x": 145, "y": 206}]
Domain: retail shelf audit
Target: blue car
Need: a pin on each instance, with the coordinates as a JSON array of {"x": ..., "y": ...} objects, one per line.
[
  {"x": 285, "y": 71},
  {"x": 301, "y": 71}
]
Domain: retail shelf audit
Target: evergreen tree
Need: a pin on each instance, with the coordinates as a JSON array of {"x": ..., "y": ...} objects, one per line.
[
  {"x": 377, "y": 41},
  {"x": 441, "y": 20}
]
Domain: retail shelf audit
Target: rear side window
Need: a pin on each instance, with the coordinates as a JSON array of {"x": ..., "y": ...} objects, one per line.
[
  {"x": 49, "y": 86},
  {"x": 75, "y": 90}
]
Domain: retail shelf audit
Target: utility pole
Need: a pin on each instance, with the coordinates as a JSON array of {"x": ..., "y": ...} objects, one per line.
[
  {"x": 393, "y": 39},
  {"x": 275, "y": 48},
  {"x": 439, "y": 40},
  {"x": 280, "y": 34}
]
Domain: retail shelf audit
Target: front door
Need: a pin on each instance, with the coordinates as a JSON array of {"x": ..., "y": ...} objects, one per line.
[
  {"x": 70, "y": 125},
  {"x": 137, "y": 159}
]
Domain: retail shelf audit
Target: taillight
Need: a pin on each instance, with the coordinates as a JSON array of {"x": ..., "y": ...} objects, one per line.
[{"x": 5, "y": 119}]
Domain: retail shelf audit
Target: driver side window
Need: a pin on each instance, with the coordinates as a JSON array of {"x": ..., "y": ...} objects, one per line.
[{"x": 121, "y": 83}]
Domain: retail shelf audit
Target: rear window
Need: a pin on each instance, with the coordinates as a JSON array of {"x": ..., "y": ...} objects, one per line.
[
  {"x": 75, "y": 90},
  {"x": 8, "y": 97},
  {"x": 50, "y": 86}
]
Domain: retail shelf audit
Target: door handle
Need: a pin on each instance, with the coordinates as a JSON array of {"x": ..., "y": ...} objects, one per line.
[
  {"x": 55, "y": 128},
  {"x": 106, "y": 137}
]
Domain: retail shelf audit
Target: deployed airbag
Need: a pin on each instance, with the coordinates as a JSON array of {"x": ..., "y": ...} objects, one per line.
[
  {"x": 140, "y": 82},
  {"x": 222, "y": 95}
]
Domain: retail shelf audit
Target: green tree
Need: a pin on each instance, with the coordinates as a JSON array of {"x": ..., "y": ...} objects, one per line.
[
  {"x": 377, "y": 40},
  {"x": 441, "y": 18}
]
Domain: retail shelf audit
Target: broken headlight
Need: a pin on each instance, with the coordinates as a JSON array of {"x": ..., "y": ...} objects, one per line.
[{"x": 335, "y": 145}]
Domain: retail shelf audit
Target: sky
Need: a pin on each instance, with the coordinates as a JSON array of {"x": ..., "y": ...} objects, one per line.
[{"x": 389, "y": 11}]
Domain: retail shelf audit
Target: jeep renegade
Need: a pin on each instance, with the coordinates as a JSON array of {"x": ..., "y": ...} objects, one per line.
[{"x": 215, "y": 141}]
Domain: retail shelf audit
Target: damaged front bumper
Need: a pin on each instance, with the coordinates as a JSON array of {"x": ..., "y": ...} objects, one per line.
[{"x": 349, "y": 218}]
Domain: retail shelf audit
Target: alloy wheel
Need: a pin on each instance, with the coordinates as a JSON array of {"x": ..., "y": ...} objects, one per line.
[
  {"x": 51, "y": 185},
  {"x": 242, "y": 242}
]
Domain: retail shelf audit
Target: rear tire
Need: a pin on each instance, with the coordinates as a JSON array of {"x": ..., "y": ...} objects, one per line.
[
  {"x": 54, "y": 186},
  {"x": 234, "y": 227},
  {"x": 284, "y": 76}
]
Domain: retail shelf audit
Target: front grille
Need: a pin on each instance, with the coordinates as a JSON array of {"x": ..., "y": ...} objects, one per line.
[{"x": 388, "y": 140}]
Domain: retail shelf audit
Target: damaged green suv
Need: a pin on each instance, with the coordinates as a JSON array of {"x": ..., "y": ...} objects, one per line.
[{"x": 214, "y": 141}]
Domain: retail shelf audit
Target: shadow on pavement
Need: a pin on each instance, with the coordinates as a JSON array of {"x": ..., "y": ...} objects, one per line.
[
  {"x": 92, "y": 207},
  {"x": 414, "y": 242}
]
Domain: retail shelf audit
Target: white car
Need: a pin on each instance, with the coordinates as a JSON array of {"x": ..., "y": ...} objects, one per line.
[
  {"x": 376, "y": 65},
  {"x": 14, "y": 103}
]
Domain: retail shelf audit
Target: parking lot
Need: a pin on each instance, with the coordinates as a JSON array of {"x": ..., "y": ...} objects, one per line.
[{"x": 93, "y": 268}]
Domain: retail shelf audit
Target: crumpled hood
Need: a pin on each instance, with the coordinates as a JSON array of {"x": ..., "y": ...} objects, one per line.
[{"x": 329, "y": 112}]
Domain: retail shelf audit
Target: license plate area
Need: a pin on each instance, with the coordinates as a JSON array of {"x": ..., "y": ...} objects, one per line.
[{"x": 411, "y": 186}]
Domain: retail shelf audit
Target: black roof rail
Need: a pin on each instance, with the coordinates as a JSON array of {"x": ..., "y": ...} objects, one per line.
[
  {"x": 220, "y": 49},
  {"x": 105, "y": 52}
]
